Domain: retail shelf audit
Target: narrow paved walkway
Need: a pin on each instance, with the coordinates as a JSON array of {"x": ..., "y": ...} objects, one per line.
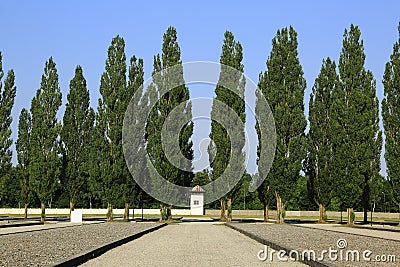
[
  {"x": 46, "y": 226},
  {"x": 189, "y": 244},
  {"x": 358, "y": 231}
]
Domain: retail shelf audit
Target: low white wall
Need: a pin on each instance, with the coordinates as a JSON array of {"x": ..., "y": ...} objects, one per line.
[
  {"x": 240, "y": 212},
  {"x": 36, "y": 211},
  {"x": 337, "y": 214},
  {"x": 182, "y": 212},
  {"x": 330, "y": 214}
]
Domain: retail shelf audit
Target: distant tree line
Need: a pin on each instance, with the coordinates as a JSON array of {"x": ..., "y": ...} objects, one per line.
[{"x": 333, "y": 164}]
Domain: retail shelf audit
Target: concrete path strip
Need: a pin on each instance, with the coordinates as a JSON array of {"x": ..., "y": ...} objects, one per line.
[
  {"x": 357, "y": 231},
  {"x": 41, "y": 227},
  {"x": 189, "y": 244}
]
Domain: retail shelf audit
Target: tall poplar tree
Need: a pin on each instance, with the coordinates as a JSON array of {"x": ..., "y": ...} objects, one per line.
[
  {"x": 319, "y": 138},
  {"x": 7, "y": 96},
  {"x": 75, "y": 135},
  {"x": 44, "y": 166},
  {"x": 136, "y": 133},
  {"x": 232, "y": 56},
  {"x": 130, "y": 190},
  {"x": 358, "y": 139},
  {"x": 23, "y": 155},
  {"x": 171, "y": 57},
  {"x": 283, "y": 85},
  {"x": 391, "y": 120},
  {"x": 107, "y": 154}
]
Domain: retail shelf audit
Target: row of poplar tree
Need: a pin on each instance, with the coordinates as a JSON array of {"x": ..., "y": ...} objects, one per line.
[
  {"x": 341, "y": 152},
  {"x": 82, "y": 157}
]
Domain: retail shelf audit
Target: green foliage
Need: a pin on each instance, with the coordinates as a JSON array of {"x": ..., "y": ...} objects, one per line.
[
  {"x": 44, "y": 164},
  {"x": 318, "y": 165},
  {"x": 165, "y": 80},
  {"x": 265, "y": 195},
  {"x": 283, "y": 85},
  {"x": 245, "y": 199},
  {"x": 23, "y": 154},
  {"x": 231, "y": 56},
  {"x": 134, "y": 138},
  {"x": 108, "y": 171},
  {"x": 201, "y": 178},
  {"x": 11, "y": 197},
  {"x": 75, "y": 135},
  {"x": 7, "y": 96},
  {"x": 357, "y": 140},
  {"x": 241, "y": 189},
  {"x": 301, "y": 199},
  {"x": 130, "y": 190},
  {"x": 334, "y": 205},
  {"x": 391, "y": 120}
]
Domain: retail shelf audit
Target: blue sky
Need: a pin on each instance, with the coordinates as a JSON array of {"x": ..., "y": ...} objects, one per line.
[{"x": 79, "y": 32}]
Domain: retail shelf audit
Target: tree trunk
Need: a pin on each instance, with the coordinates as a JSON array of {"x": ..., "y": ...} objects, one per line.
[
  {"x": 71, "y": 205},
  {"x": 350, "y": 216},
  {"x": 43, "y": 213},
  {"x": 110, "y": 212},
  {"x": 223, "y": 208},
  {"x": 169, "y": 212},
  {"x": 365, "y": 221},
  {"x": 133, "y": 212},
  {"x": 266, "y": 216},
  {"x": 25, "y": 211},
  {"x": 163, "y": 213},
  {"x": 322, "y": 213},
  {"x": 229, "y": 206},
  {"x": 126, "y": 212},
  {"x": 366, "y": 201},
  {"x": 279, "y": 208}
]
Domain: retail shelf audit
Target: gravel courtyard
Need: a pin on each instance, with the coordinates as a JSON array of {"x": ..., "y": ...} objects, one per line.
[
  {"x": 187, "y": 244},
  {"x": 46, "y": 247}
]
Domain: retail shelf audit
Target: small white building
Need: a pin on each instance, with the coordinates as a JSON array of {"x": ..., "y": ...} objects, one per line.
[{"x": 197, "y": 201}]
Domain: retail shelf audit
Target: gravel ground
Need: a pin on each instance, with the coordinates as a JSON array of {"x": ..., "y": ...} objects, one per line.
[
  {"x": 301, "y": 238},
  {"x": 47, "y": 247}
]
